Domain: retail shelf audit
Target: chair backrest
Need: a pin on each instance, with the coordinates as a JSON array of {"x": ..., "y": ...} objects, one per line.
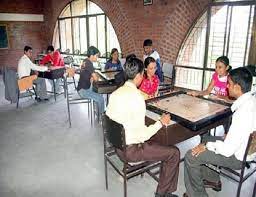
[
  {"x": 26, "y": 82},
  {"x": 168, "y": 70},
  {"x": 70, "y": 72},
  {"x": 77, "y": 52},
  {"x": 68, "y": 60},
  {"x": 114, "y": 132}
]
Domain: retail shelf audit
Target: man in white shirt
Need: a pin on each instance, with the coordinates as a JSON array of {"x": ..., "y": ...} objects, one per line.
[
  {"x": 25, "y": 66},
  {"x": 228, "y": 153},
  {"x": 127, "y": 107},
  {"x": 149, "y": 52}
]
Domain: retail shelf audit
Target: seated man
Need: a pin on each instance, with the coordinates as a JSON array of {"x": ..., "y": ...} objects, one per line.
[
  {"x": 24, "y": 69},
  {"x": 53, "y": 58},
  {"x": 127, "y": 107},
  {"x": 228, "y": 153}
]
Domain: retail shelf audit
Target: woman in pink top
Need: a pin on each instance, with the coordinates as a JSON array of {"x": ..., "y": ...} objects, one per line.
[
  {"x": 150, "y": 82},
  {"x": 218, "y": 84}
]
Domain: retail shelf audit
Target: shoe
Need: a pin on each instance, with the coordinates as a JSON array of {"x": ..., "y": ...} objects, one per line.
[
  {"x": 215, "y": 186},
  {"x": 185, "y": 195},
  {"x": 46, "y": 99},
  {"x": 38, "y": 99}
]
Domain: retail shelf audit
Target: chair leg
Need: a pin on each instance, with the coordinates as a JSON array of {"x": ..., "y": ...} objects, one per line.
[
  {"x": 34, "y": 91},
  {"x": 54, "y": 89},
  {"x": 239, "y": 188},
  {"x": 74, "y": 82},
  {"x": 125, "y": 181},
  {"x": 91, "y": 103},
  {"x": 106, "y": 172},
  {"x": 17, "y": 106},
  {"x": 66, "y": 93}
]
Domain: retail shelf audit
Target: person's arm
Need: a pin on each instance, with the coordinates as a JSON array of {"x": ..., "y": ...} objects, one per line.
[
  {"x": 238, "y": 133},
  {"x": 56, "y": 58},
  {"x": 202, "y": 93},
  {"x": 37, "y": 68},
  {"x": 108, "y": 65},
  {"x": 45, "y": 60}
]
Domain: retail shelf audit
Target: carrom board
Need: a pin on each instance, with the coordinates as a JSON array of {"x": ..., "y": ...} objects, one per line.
[
  {"x": 108, "y": 75},
  {"x": 192, "y": 112}
]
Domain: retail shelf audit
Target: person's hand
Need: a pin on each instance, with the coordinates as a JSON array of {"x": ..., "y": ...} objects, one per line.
[
  {"x": 165, "y": 119},
  {"x": 193, "y": 93},
  {"x": 198, "y": 150}
]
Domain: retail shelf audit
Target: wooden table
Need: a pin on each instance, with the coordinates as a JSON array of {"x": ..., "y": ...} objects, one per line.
[
  {"x": 180, "y": 129},
  {"x": 52, "y": 74}
]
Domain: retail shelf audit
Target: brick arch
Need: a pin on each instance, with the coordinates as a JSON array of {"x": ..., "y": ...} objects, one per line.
[
  {"x": 178, "y": 24},
  {"x": 114, "y": 11}
]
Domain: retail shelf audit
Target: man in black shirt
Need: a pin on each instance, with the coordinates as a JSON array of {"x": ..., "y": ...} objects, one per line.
[{"x": 88, "y": 76}]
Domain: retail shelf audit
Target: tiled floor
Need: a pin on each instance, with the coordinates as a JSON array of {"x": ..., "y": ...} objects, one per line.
[{"x": 41, "y": 156}]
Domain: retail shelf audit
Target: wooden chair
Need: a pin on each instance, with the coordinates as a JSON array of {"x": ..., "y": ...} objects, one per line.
[
  {"x": 25, "y": 86},
  {"x": 240, "y": 176},
  {"x": 114, "y": 138},
  {"x": 75, "y": 98}
]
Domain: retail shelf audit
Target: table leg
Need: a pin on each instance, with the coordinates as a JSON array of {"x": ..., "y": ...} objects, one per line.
[{"x": 54, "y": 90}]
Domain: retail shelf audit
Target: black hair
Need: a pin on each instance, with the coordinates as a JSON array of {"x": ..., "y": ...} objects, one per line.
[
  {"x": 111, "y": 53},
  {"x": 147, "y": 61},
  {"x": 130, "y": 56},
  {"x": 223, "y": 59},
  {"x": 132, "y": 67},
  {"x": 27, "y": 48},
  {"x": 50, "y": 48},
  {"x": 147, "y": 42},
  {"x": 243, "y": 77},
  {"x": 92, "y": 50}
]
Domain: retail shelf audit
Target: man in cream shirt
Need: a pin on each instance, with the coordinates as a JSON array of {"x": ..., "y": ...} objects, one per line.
[
  {"x": 127, "y": 107},
  {"x": 25, "y": 66},
  {"x": 228, "y": 153}
]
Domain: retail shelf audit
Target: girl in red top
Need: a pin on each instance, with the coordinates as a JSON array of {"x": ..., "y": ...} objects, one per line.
[{"x": 150, "y": 82}]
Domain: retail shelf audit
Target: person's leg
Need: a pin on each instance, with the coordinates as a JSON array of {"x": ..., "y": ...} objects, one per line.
[
  {"x": 98, "y": 98},
  {"x": 193, "y": 175},
  {"x": 41, "y": 88},
  {"x": 170, "y": 157}
]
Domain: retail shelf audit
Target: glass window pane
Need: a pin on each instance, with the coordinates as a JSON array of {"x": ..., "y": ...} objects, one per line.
[
  {"x": 101, "y": 33},
  {"x": 76, "y": 34},
  {"x": 238, "y": 35},
  {"x": 192, "y": 51},
  {"x": 83, "y": 36},
  {"x": 112, "y": 41},
  {"x": 63, "y": 35},
  {"x": 78, "y": 7},
  {"x": 92, "y": 32},
  {"x": 207, "y": 78},
  {"x": 94, "y": 9},
  {"x": 188, "y": 78},
  {"x": 66, "y": 11},
  {"x": 217, "y": 34},
  {"x": 68, "y": 35},
  {"x": 55, "y": 40}
]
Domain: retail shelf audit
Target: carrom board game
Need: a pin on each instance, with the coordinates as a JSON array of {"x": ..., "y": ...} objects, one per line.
[
  {"x": 192, "y": 112},
  {"x": 108, "y": 75}
]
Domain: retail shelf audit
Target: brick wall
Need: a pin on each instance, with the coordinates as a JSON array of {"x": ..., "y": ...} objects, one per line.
[
  {"x": 22, "y": 33},
  {"x": 166, "y": 22}
]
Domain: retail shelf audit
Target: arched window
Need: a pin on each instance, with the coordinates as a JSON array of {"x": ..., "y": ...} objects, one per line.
[
  {"x": 81, "y": 24},
  {"x": 224, "y": 29}
]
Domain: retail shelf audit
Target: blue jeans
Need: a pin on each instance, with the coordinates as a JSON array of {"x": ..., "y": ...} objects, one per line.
[{"x": 90, "y": 94}]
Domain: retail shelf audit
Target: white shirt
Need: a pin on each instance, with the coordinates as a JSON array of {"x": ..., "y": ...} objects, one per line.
[
  {"x": 127, "y": 107},
  {"x": 155, "y": 55},
  {"x": 243, "y": 124},
  {"x": 25, "y": 66}
]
